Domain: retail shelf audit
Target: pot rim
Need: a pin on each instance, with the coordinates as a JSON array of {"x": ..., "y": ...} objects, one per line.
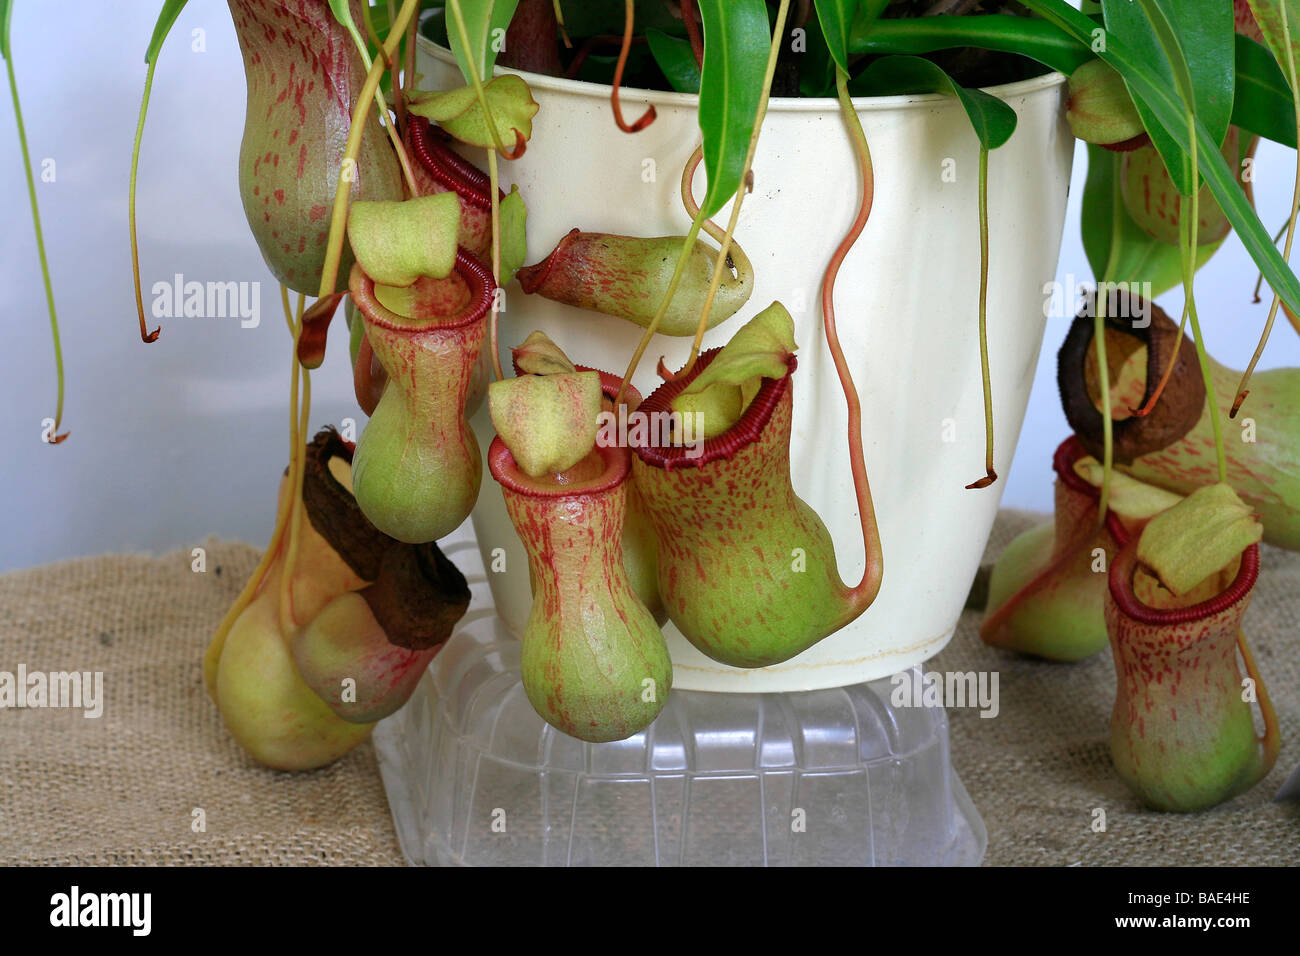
[{"x": 777, "y": 104}]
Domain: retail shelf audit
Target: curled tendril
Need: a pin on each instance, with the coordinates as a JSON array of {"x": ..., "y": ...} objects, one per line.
[
  {"x": 990, "y": 475},
  {"x": 864, "y": 593},
  {"x": 648, "y": 116},
  {"x": 718, "y": 235},
  {"x": 54, "y": 437}
]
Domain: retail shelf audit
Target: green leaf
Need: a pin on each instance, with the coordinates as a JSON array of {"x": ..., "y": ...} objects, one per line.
[
  {"x": 1025, "y": 36},
  {"x": 549, "y": 422},
  {"x": 460, "y": 113},
  {"x": 1202, "y": 534},
  {"x": 1263, "y": 103},
  {"x": 675, "y": 59},
  {"x": 6, "y": 11},
  {"x": 759, "y": 349},
  {"x": 1168, "y": 109},
  {"x": 1141, "y": 257},
  {"x": 513, "y": 217},
  {"x": 483, "y": 18},
  {"x": 817, "y": 69},
  {"x": 396, "y": 243},
  {"x": 1188, "y": 46},
  {"x": 994, "y": 121},
  {"x": 836, "y": 18},
  {"x": 166, "y": 18},
  {"x": 736, "y": 41}
]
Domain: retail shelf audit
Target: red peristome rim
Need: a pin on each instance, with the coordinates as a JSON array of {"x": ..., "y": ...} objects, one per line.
[
  {"x": 476, "y": 275},
  {"x": 532, "y": 277},
  {"x": 618, "y": 461},
  {"x": 1121, "y": 589},
  {"x": 1067, "y": 453},
  {"x": 1116, "y": 528},
  {"x": 448, "y": 167},
  {"x": 747, "y": 430}
]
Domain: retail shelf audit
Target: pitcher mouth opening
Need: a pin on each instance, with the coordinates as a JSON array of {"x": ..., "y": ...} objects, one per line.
[
  {"x": 501, "y": 463},
  {"x": 748, "y": 429},
  {"x": 478, "y": 282},
  {"x": 1120, "y": 581},
  {"x": 531, "y": 278}
]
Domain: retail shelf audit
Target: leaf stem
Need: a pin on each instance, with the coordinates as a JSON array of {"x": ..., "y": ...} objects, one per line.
[
  {"x": 399, "y": 92},
  {"x": 746, "y": 185},
  {"x": 283, "y": 506},
  {"x": 1168, "y": 109},
  {"x": 1271, "y": 742},
  {"x": 145, "y": 335},
  {"x": 386, "y": 60},
  {"x": 648, "y": 116},
  {"x": 690, "y": 19},
  {"x": 408, "y": 69},
  {"x": 650, "y": 329},
  {"x": 1159, "y": 390},
  {"x": 1189, "y": 294},
  {"x": 338, "y": 217},
  {"x": 477, "y": 82},
  {"x": 494, "y": 178},
  {"x": 559, "y": 20},
  {"x": 372, "y": 34},
  {"x": 1099, "y": 345},
  {"x": 1107, "y": 424},
  {"x": 1259, "y": 281},
  {"x": 55, "y": 437},
  {"x": 298, "y": 423},
  {"x": 864, "y": 592},
  {"x": 1242, "y": 389},
  {"x": 990, "y": 475}
]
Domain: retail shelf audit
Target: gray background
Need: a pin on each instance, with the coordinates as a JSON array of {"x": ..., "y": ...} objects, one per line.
[{"x": 185, "y": 438}]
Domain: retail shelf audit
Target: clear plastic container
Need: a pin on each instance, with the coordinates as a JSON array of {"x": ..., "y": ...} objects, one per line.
[{"x": 828, "y": 777}]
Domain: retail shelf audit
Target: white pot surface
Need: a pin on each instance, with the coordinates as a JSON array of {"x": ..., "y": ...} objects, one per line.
[{"x": 906, "y": 302}]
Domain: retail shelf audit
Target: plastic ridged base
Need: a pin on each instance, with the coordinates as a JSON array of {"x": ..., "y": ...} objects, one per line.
[{"x": 829, "y": 777}]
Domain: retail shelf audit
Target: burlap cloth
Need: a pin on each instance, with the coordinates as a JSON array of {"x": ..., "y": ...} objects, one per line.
[{"x": 123, "y": 788}]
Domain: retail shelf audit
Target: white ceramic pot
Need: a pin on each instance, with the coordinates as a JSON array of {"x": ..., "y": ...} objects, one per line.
[{"x": 906, "y": 302}]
